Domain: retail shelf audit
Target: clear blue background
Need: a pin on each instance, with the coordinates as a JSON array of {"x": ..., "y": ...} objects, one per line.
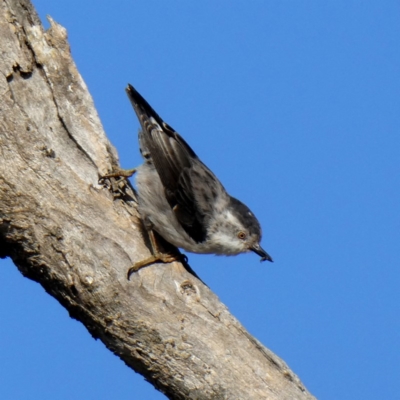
[{"x": 295, "y": 106}]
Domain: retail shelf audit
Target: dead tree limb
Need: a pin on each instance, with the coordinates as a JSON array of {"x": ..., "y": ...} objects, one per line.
[{"x": 68, "y": 233}]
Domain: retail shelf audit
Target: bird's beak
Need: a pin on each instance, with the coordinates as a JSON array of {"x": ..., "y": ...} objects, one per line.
[{"x": 261, "y": 252}]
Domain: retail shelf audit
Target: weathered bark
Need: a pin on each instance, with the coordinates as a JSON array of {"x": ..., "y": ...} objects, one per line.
[{"x": 65, "y": 231}]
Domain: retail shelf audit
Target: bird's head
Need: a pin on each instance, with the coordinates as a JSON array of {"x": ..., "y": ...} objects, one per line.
[{"x": 236, "y": 231}]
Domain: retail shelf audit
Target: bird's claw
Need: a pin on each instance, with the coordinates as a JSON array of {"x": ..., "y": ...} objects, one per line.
[{"x": 164, "y": 258}]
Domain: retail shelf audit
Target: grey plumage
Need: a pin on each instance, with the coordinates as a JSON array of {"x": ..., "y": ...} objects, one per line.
[{"x": 181, "y": 199}]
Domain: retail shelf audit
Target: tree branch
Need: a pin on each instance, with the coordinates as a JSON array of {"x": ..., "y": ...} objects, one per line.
[{"x": 72, "y": 236}]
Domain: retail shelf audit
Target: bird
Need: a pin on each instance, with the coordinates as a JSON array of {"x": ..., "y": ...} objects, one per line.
[{"x": 181, "y": 199}]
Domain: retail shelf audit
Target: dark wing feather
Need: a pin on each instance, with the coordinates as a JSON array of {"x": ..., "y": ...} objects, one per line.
[{"x": 181, "y": 172}]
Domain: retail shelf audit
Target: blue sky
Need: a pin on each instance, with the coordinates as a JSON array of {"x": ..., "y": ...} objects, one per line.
[{"x": 295, "y": 107}]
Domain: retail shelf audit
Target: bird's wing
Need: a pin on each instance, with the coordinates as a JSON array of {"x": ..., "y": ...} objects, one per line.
[{"x": 190, "y": 187}]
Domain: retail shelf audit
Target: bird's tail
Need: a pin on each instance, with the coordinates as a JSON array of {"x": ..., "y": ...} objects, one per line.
[
  {"x": 143, "y": 109},
  {"x": 149, "y": 118}
]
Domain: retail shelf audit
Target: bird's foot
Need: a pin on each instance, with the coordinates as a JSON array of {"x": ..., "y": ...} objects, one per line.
[
  {"x": 161, "y": 257},
  {"x": 116, "y": 181},
  {"x": 119, "y": 173}
]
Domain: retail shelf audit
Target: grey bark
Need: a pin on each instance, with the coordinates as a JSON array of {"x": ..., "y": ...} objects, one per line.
[{"x": 65, "y": 231}]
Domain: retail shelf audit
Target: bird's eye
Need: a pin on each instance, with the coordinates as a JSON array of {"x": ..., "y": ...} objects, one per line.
[{"x": 241, "y": 235}]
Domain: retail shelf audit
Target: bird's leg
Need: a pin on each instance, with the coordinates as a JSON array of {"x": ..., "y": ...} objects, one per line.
[
  {"x": 157, "y": 256},
  {"x": 120, "y": 173},
  {"x": 116, "y": 182}
]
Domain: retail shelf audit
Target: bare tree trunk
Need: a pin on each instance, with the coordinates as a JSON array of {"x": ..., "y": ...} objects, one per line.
[{"x": 68, "y": 233}]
